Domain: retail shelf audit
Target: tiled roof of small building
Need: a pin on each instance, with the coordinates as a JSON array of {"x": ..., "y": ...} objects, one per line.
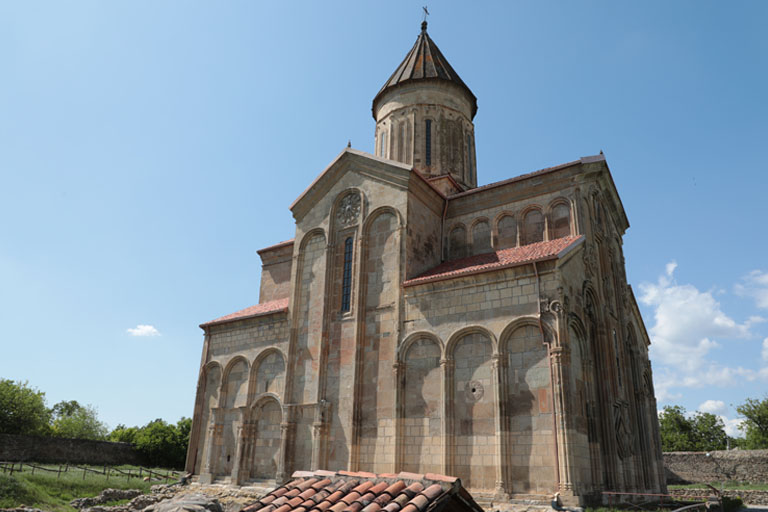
[
  {"x": 344, "y": 491},
  {"x": 425, "y": 62},
  {"x": 503, "y": 258},
  {"x": 266, "y": 308}
]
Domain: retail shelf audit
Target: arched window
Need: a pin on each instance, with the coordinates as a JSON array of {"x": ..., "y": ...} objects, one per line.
[
  {"x": 561, "y": 221},
  {"x": 383, "y": 138},
  {"x": 507, "y": 230},
  {"x": 346, "y": 285},
  {"x": 533, "y": 227},
  {"x": 428, "y": 142}
]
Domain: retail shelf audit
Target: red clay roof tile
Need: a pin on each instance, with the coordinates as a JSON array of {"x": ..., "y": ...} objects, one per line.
[
  {"x": 392, "y": 506},
  {"x": 503, "y": 258},
  {"x": 357, "y": 492},
  {"x": 420, "y": 502},
  {"x": 322, "y": 483},
  {"x": 268, "y": 308},
  {"x": 372, "y": 507},
  {"x": 433, "y": 491},
  {"x": 283, "y": 508},
  {"x": 394, "y": 489},
  {"x": 338, "y": 507},
  {"x": 363, "y": 487}
]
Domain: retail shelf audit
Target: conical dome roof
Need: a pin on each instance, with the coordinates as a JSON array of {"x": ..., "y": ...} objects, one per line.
[{"x": 424, "y": 62}]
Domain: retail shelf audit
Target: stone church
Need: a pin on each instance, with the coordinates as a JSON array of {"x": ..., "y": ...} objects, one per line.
[{"x": 419, "y": 322}]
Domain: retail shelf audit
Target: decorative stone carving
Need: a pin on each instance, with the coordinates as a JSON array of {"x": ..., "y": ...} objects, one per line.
[
  {"x": 589, "y": 259},
  {"x": 623, "y": 432},
  {"x": 474, "y": 391},
  {"x": 349, "y": 209}
]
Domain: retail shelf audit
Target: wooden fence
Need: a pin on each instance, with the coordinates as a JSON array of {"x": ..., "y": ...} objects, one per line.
[{"x": 108, "y": 471}]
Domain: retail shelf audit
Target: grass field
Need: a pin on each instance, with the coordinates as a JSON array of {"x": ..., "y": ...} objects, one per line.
[{"x": 52, "y": 492}]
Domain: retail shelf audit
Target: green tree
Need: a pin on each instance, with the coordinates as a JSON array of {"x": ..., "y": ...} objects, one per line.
[
  {"x": 75, "y": 421},
  {"x": 123, "y": 434},
  {"x": 22, "y": 409},
  {"x": 755, "y": 426},
  {"x": 162, "y": 444},
  {"x": 708, "y": 432},
  {"x": 701, "y": 432},
  {"x": 675, "y": 430}
]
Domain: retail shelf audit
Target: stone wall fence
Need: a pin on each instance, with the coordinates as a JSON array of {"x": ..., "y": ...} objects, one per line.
[
  {"x": 57, "y": 450},
  {"x": 745, "y": 466}
]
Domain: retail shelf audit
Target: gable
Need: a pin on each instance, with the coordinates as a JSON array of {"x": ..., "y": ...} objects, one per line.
[{"x": 371, "y": 166}]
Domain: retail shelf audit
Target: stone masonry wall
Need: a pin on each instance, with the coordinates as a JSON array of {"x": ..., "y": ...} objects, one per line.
[
  {"x": 747, "y": 466},
  {"x": 56, "y": 450}
]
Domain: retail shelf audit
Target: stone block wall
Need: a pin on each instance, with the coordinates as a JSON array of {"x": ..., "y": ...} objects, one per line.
[
  {"x": 747, "y": 466},
  {"x": 56, "y": 450}
]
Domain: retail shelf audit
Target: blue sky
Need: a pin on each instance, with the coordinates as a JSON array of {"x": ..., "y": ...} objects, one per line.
[{"x": 148, "y": 149}]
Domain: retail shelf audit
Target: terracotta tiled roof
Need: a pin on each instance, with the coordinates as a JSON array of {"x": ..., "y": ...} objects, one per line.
[
  {"x": 344, "y": 491},
  {"x": 267, "y": 308},
  {"x": 499, "y": 259}
]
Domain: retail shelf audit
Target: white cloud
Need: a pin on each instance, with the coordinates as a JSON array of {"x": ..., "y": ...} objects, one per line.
[
  {"x": 714, "y": 406},
  {"x": 143, "y": 330},
  {"x": 688, "y": 322},
  {"x": 755, "y": 285},
  {"x": 765, "y": 350},
  {"x": 732, "y": 426}
]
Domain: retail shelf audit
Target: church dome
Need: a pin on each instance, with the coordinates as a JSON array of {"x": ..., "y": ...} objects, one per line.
[{"x": 424, "y": 62}]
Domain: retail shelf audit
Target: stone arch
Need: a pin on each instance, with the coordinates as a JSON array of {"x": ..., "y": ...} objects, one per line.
[
  {"x": 450, "y": 345},
  {"x": 457, "y": 242},
  {"x": 481, "y": 236},
  {"x": 532, "y": 225},
  {"x": 308, "y": 319},
  {"x": 514, "y": 325},
  {"x": 581, "y": 402},
  {"x": 267, "y": 373},
  {"x": 408, "y": 341},
  {"x": 380, "y": 268},
  {"x": 529, "y": 406},
  {"x": 235, "y": 383},
  {"x": 212, "y": 378},
  {"x": 559, "y": 218},
  {"x": 422, "y": 408},
  {"x": 234, "y": 398},
  {"x": 473, "y": 406},
  {"x": 262, "y": 438},
  {"x": 601, "y": 432},
  {"x": 506, "y": 230}
]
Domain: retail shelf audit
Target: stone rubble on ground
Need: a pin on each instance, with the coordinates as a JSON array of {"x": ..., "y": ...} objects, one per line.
[{"x": 105, "y": 496}]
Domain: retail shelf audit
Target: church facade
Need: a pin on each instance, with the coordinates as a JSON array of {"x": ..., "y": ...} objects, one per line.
[{"x": 418, "y": 322}]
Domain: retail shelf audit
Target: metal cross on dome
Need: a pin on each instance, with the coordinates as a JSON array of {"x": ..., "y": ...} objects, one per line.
[{"x": 426, "y": 13}]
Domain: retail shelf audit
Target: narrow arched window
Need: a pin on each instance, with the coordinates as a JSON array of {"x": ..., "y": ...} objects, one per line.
[
  {"x": 346, "y": 285},
  {"x": 428, "y": 142},
  {"x": 383, "y": 151}
]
